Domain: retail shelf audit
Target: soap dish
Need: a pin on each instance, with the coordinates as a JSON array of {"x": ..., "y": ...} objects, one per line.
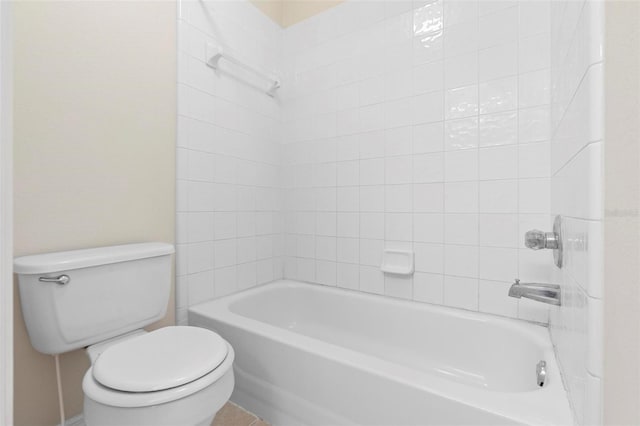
[{"x": 397, "y": 262}]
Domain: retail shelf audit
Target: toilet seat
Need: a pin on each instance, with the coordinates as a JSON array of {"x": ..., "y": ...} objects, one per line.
[
  {"x": 98, "y": 392},
  {"x": 159, "y": 360}
]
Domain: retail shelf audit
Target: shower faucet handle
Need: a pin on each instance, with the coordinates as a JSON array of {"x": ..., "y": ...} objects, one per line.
[{"x": 537, "y": 240}]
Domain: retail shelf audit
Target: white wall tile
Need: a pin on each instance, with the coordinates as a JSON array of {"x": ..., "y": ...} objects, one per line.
[
  {"x": 372, "y": 225},
  {"x": 371, "y": 280},
  {"x": 461, "y": 292},
  {"x": 533, "y": 88},
  {"x": 498, "y": 264},
  {"x": 460, "y": 12},
  {"x": 398, "y": 286},
  {"x": 461, "y": 165},
  {"x": 348, "y": 250},
  {"x": 371, "y": 252},
  {"x": 533, "y": 53},
  {"x": 461, "y": 261},
  {"x": 498, "y": 61},
  {"x": 534, "y": 160},
  {"x": 461, "y": 70},
  {"x": 461, "y": 102},
  {"x": 228, "y": 187},
  {"x": 462, "y": 38},
  {"x": 533, "y": 124},
  {"x": 368, "y": 159},
  {"x": 398, "y": 226},
  {"x": 502, "y": 95},
  {"x": 326, "y": 273},
  {"x": 461, "y": 134},
  {"x": 428, "y": 288},
  {"x": 428, "y": 227},
  {"x": 348, "y": 276},
  {"x": 398, "y": 170},
  {"x": 461, "y": 229},
  {"x": 534, "y": 195},
  {"x": 498, "y": 27},
  {"x": 200, "y": 257},
  {"x": 398, "y": 198},
  {"x": 461, "y": 197},
  {"x": 200, "y": 286},
  {"x": 499, "y": 230},
  {"x": 498, "y": 163},
  {"x": 534, "y": 18},
  {"x": 372, "y": 198},
  {"x": 499, "y": 196},
  {"x": 428, "y": 168},
  {"x": 428, "y": 77},
  {"x": 398, "y": 141},
  {"x": 372, "y": 171},
  {"x": 499, "y": 129},
  {"x": 429, "y": 198},
  {"x": 199, "y": 226},
  {"x": 428, "y": 138},
  {"x": 428, "y": 107},
  {"x": 429, "y": 257},
  {"x": 493, "y": 299}
]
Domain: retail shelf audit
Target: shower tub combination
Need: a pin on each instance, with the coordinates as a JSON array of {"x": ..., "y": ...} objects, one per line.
[{"x": 314, "y": 355}]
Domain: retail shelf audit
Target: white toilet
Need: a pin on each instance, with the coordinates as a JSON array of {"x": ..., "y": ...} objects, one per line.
[{"x": 100, "y": 299}]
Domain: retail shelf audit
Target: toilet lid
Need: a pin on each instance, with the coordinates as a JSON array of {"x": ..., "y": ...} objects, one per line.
[{"x": 159, "y": 360}]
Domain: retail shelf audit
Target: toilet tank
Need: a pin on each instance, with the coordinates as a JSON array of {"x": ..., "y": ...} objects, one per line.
[{"x": 110, "y": 291}]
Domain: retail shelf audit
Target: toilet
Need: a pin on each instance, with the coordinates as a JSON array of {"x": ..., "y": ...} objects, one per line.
[{"x": 101, "y": 298}]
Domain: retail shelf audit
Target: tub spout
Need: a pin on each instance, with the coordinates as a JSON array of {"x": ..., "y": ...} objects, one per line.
[{"x": 545, "y": 293}]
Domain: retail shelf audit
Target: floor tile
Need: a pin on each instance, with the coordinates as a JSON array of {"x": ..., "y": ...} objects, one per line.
[{"x": 232, "y": 415}]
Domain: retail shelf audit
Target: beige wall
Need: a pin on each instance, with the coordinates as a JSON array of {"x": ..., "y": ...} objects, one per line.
[
  {"x": 622, "y": 215},
  {"x": 289, "y": 12},
  {"x": 95, "y": 114},
  {"x": 294, "y": 11},
  {"x": 271, "y": 8}
]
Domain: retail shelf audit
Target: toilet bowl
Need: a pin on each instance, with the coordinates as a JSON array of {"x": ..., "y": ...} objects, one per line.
[
  {"x": 101, "y": 298},
  {"x": 171, "y": 376}
]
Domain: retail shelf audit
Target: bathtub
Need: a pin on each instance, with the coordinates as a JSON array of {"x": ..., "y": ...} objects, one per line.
[{"x": 314, "y": 355}]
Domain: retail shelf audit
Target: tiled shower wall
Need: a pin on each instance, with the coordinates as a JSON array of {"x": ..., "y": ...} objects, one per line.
[
  {"x": 228, "y": 159},
  {"x": 419, "y": 125},
  {"x": 577, "y": 116}
]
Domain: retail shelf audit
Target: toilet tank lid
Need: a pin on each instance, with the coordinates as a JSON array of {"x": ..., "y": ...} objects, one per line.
[{"x": 85, "y": 258}]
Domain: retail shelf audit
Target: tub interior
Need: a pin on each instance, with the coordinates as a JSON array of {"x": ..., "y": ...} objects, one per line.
[{"x": 456, "y": 346}]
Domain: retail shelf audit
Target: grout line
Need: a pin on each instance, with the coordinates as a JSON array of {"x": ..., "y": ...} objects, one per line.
[
  {"x": 444, "y": 155},
  {"x": 517, "y": 135},
  {"x": 478, "y": 169}
]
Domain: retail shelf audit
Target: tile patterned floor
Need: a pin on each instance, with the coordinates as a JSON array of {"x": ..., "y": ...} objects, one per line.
[{"x": 234, "y": 415}]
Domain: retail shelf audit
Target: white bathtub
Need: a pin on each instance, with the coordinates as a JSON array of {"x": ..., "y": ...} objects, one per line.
[{"x": 315, "y": 355}]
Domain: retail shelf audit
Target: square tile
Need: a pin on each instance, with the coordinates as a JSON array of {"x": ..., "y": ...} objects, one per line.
[{"x": 461, "y": 292}]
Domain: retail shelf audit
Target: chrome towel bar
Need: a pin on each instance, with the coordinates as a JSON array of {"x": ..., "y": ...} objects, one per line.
[{"x": 216, "y": 53}]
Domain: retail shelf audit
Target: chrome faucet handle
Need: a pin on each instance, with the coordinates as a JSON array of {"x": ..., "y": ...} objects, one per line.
[{"x": 537, "y": 240}]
